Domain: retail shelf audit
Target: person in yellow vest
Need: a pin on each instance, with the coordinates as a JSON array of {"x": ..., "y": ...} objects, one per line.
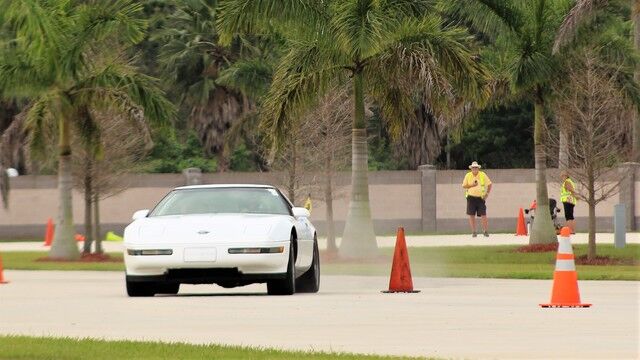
[
  {"x": 477, "y": 187},
  {"x": 568, "y": 198},
  {"x": 307, "y": 204}
]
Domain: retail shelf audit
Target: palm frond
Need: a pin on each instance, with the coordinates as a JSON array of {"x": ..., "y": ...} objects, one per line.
[
  {"x": 249, "y": 76},
  {"x": 117, "y": 81},
  {"x": 39, "y": 25},
  {"x": 580, "y": 13},
  {"x": 359, "y": 27},
  {"x": 301, "y": 78},
  {"x": 490, "y": 17},
  {"x": 38, "y": 124},
  {"x": 254, "y": 16},
  {"x": 435, "y": 55},
  {"x": 97, "y": 25}
]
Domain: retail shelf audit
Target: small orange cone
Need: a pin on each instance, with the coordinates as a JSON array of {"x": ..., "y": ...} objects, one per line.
[
  {"x": 400, "y": 280},
  {"x": 521, "y": 228},
  {"x": 79, "y": 237},
  {"x": 565, "y": 291},
  {"x": 48, "y": 235},
  {"x": 2, "y": 280}
]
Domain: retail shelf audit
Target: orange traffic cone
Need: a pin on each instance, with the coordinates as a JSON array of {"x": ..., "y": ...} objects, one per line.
[
  {"x": 2, "y": 280},
  {"x": 400, "y": 280},
  {"x": 521, "y": 228},
  {"x": 565, "y": 291},
  {"x": 48, "y": 235},
  {"x": 79, "y": 237}
]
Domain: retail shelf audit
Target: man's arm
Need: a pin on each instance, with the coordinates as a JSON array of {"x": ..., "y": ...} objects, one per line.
[{"x": 488, "y": 190}]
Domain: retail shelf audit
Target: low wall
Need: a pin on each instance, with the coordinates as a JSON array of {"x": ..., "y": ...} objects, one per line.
[{"x": 423, "y": 200}]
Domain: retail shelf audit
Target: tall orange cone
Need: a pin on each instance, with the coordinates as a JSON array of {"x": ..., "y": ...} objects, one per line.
[
  {"x": 521, "y": 227},
  {"x": 48, "y": 235},
  {"x": 2, "y": 280},
  {"x": 400, "y": 280},
  {"x": 565, "y": 291}
]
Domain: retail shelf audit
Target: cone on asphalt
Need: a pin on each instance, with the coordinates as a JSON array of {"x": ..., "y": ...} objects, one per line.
[
  {"x": 48, "y": 234},
  {"x": 400, "y": 281},
  {"x": 521, "y": 227},
  {"x": 565, "y": 292},
  {"x": 2, "y": 280}
]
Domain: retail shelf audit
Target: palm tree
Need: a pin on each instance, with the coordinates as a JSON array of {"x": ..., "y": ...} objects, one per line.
[
  {"x": 524, "y": 34},
  {"x": 526, "y": 55},
  {"x": 388, "y": 49},
  {"x": 192, "y": 61},
  {"x": 68, "y": 58}
]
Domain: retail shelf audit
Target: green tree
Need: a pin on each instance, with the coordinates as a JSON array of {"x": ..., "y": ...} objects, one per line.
[
  {"x": 69, "y": 58},
  {"x": 388, "y": 49}
]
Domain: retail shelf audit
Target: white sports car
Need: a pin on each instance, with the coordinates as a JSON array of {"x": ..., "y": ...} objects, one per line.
[{"x": 230, "y": 235}]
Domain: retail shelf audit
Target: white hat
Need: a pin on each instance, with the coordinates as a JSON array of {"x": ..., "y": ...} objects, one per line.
[{"x": 475, "y": 164}]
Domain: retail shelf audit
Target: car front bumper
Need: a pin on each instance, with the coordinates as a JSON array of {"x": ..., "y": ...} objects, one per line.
[{"x": 206, "y": 261}]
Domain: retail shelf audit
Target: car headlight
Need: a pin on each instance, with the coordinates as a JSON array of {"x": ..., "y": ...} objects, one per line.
[
  {"x": 150, "y": 252},
  {"x": 257, "y": 250}
]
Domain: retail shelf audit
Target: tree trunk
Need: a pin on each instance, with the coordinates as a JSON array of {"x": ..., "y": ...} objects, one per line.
[
  {"x": 592, "y": 211},
  {"x": 96, "y": 224},
  {"x": 292, "y": 172},
  {"x": 88, "y": 203},
  {"x": 328, "y": 199},
  {"x": 592, "y": 229},
  {"x": 563, "y": 149},
  {"x": 543, "y": 231},
  {"x": 64, "y": 245},
  {"x": 636, "y": 116},
  {"x": 359, "y": 239}
]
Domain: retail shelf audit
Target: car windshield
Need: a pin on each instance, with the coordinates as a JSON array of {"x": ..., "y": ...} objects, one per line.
[{"x": 222, "y": 200}]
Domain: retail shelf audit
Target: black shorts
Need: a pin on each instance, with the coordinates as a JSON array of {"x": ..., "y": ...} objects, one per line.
[
  {"x": 568, "y": 211},
  {"x": 476, "y": 205}
]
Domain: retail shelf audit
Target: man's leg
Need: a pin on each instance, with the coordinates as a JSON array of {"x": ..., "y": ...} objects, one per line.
[
  {"x": 472, "y": 222},
  {"x": 485, "y": 223},
  {"x": 572, "y": 225}
]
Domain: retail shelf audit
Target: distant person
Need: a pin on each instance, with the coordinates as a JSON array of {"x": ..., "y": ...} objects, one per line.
[
  {"x": 568, "y": 198},
  {"x": 478, "y": 186},
  {"x": 307, "y": 204}
]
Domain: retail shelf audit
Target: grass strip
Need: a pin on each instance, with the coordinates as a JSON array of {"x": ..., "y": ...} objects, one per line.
[
  {"x": 454, "y": 261},
  {"x": 37, "y": 348}
]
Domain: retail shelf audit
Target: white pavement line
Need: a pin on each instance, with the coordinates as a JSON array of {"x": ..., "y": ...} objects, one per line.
[{"x": 450, "y": 318}]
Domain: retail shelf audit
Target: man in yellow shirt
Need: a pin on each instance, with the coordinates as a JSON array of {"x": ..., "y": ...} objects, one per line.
[{"x": 478, "y": 186}]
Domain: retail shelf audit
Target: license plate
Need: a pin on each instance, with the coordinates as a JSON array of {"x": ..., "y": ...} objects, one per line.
[{"x": 200, "y": 254}]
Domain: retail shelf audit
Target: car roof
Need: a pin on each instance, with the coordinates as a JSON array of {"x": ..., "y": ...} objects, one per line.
[{"x": 217, "y": 186}]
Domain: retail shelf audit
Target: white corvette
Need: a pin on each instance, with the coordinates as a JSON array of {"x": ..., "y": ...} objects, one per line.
[{"x": 230, "y": 235}]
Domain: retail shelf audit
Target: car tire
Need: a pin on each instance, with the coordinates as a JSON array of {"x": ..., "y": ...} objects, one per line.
[
  {"x": 286, "y": 286},
  {"x": 168, "y": 288},
  {"x": 309, "y": 282},
  {"x": 140, "y": 289}
]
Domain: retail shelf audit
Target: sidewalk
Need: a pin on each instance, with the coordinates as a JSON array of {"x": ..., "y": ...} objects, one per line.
[{"x": 384, "y": 241}]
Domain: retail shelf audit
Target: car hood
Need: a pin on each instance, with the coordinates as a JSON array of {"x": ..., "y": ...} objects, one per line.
[{"x": 220, "y": 228}]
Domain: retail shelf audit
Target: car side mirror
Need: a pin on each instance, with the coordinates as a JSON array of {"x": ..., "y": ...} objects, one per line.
[
  {"x": 300, "y": 212},
  {"x": 140, "y": 214}
]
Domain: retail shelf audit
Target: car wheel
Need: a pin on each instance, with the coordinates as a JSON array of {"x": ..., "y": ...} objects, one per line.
[
  {"x": 286, "y": 286},
  {"x": 309, "y": 282},
  {"x": 138, "y": 289},
  {"x": 168, "y": 288}
]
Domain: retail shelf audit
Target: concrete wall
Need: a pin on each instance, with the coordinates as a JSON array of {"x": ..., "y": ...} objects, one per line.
[{"x": 423, "y": 200}]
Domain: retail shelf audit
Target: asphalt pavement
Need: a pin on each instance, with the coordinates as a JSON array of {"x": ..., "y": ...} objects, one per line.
[{"x": 449, "y": 318}]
